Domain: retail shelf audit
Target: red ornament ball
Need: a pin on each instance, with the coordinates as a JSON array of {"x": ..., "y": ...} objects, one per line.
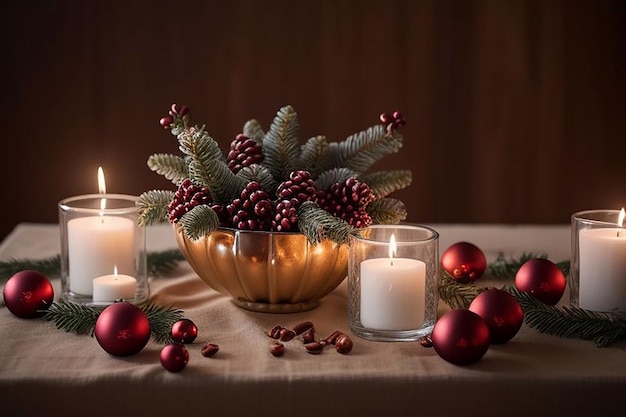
[
  {"x": 460, "y": 337},
  {"x": 122, "y": 329},
  {"x": 27, "y": 294},
  {"x": 464, "y": 261},
  {"x": 184, "y": 331},
  {"x": 542, "y": 279},
  {"x": 174, "y": 357},
  {"x": 502, "y": 313}
]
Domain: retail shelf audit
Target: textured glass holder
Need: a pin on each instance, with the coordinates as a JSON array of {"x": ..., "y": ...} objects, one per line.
[
  {"x": 597, "y": 278},
  {"x": 103, "y": 250},
  {"x": 393, "y": 296}
]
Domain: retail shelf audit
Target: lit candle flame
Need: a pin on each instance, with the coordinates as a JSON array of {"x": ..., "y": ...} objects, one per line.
[
  {"x": 620, "y": 219},
  {"x": 392, "y": 248},
  {"x": 102, "y": 189},
  {"x": 115, "y": 270}
]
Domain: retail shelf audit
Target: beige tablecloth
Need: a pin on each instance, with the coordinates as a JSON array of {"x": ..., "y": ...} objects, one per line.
[{"x": 45, "y": 371}]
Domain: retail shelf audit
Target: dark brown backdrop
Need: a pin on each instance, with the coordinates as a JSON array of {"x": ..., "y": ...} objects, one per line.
[{"x": 515, "y": 108}]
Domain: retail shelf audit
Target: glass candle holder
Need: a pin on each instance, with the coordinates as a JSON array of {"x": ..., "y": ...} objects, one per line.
[
  {"x": 597, "y": 278},
  {"x": 393, "y": 273},
  {"x": 103, "y": 250}
]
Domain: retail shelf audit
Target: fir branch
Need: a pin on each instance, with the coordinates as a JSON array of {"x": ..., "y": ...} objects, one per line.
[
  {"x": 572, "y": 322},
  {"x": 281, "y": 149},
  {"x": 260, "y": 174},
  {"x": 387, "y": 211},
  {"x": 160, "y": 263},
  {"x": 314, "y": 156},
  {"x": 50, "y": 267},
  {"x": 507, "y": 268},
  {"x": 361, "y": 150},
  {"x": 336, "y": 175},
  {"x": 199, "y": 222},
  {"x": 455, "y": 294},
  {"x": 317, "y": 224},
  {"x": 172, "y": 167},
  {"x": 384, "y": 183},
  {"x": 161, "y": 320},
  {"x": 253, "y": 130},
  {"x": 152, "y": 207}
]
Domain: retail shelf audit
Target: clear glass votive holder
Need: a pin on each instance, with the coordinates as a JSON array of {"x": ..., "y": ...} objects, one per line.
[
  {"x": 103, "y": 250},
  {"x": 597, "y": 277},
  {"x": 392, "y": 292}
]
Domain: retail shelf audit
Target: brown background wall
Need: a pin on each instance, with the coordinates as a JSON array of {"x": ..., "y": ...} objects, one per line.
[{"x": 515, "y": 109}]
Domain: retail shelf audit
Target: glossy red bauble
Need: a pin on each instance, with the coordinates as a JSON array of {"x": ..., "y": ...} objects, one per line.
[
  {"x": 502, "y": 313},
  {"x": 174, "y": 357},
  {"x": 464, "y": 262},
  {"x": 542, "y": 279},
  {"x": 184, "y": 331},
  {"x": 122, "y": 329},
  {"x": 27, "y": 294},
  {"x": 460, "y": 337}
]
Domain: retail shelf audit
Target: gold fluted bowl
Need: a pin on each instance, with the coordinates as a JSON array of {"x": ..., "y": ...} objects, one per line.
[{"x": 267, "y": 271}]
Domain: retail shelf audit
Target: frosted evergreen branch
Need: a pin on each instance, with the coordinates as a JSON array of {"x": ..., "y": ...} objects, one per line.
[
  {"x": 172, "y": 167},
  {"x": 336, "y": 175},
  {"x": 260, "y": 174},
  {"x": 152, "y": 207},
  {"x": 387, "y": 211},
  {"x": 199, "y": 222},
  {"x": 361, "y": 150},
  {"x": 384, "y": 183},
  {"x": 252, "y": 129},
  {"x": 161, "y": 320},
  {"x": 507, "y": 268},
  {"x": 317, "y": 224},
  {"x": 314, "y": 156},
  {"x": 455, "y": 294},
  {"x": 281, "y": 148},
  {"x": 50, "y": 267}
]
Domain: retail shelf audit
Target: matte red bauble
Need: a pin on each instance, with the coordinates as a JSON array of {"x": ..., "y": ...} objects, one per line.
[
  {"x": 542, "y": 279},
  {"x": 464, "y": 261},
  {"x": 174, "y": 357},
  {"x": 27, "y": 294},
  {"x": 502, "y": 313},
  {"x": 122, "y": 329},
  {"x": 184, "y": 331},
  {"x": 460, "y": 337}
]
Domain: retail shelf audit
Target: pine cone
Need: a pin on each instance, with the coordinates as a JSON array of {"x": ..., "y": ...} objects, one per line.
[
  {"x": 348, "y": 201},
  {"x": 243, "y": 153},
  {"x": 286, "y": 217},
  {"x": 187, "y": 197},
  {"x": 253, "y": 210},
  {"x": 299, "y": 187}
]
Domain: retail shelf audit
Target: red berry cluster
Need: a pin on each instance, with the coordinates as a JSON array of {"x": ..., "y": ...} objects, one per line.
[
  {"x": 348, "y": 201},
  {"x": 392, "y": 120},
  {"x": 299, "y": 188},
  {"x": 253, "y": 210},
  {"x": 243, "y": 153},
  {"x": 174, "y": 116},
  {"x": 187, "y": 197}
]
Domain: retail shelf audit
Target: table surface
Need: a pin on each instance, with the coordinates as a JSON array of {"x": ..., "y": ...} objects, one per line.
[{"x": 46, "y": 369}]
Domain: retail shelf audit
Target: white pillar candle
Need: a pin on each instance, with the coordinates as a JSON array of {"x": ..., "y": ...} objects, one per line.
[
  {"x": 96, "y": 245},
  {"x": 109, "y": 288},
  {"x": 392, "y": 293},
  {"x": 602, "y": 269}
]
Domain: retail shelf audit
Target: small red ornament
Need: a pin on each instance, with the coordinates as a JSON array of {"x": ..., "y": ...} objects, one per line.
[
  {"x": 122, "y": 329},
  {"x": 460, "y": 337},
  {"x": 184, "y": 331},
  {"x": 27, "y": 294},
  {"x": 502, "y": 313},
  {"x": 542, "y": 279},
  {"x": 464, "y": 261},
  {"x": 174, "y": 357}
]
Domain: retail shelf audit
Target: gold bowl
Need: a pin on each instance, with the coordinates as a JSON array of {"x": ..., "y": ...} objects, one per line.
[{"x": 268, "y": 272}]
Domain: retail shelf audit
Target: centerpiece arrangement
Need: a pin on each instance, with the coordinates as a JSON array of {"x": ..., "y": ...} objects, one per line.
[{"x": 268, "y": 222}]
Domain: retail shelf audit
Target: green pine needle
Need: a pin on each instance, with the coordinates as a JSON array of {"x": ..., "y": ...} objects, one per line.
[
  {"x": 360, "y": 151},
  {"x": 507, "y": 268},
  {"x": 336, "y": 175},
  {"x": 314, "y": 156},
  {"x": 161, "y": 263},
  {"x": 199, "y": 222},
  {"x": 260, "y": 174},
  {"x": 172, "y": 167},
  {"x": 152, "y": 207},
  {"x": 384, "y": 183},
  {"x": 387, "y": 211},
  {"x": 455, "y": 294},
  {"x": 281, "y": 149},
  {"x": 317, "y": 224},
  {"x": 253, "y": 130},
  {"x": 161, "y": 320}
]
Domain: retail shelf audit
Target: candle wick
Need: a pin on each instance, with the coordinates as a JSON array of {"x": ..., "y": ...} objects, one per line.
[
  {"x": 618, "y": 233},
  {"x": 391, "y": 262}
]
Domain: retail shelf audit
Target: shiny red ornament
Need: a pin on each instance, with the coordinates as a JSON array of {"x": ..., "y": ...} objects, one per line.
[
  {"x": 184, "y": 331},
  {"x": 502, "y": 313},
  {"x": 464, "y": 261},
  {"x": 174, "y": 357},
  {"x": 542, "y": 279},
  {"x": 460, "y": 337},
  {"x": 122, "y": 329},
  {"x": 27, "y": 294}
]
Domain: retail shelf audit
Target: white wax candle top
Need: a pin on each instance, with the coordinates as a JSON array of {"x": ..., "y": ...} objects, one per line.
[{"x": 109, "y": 288}]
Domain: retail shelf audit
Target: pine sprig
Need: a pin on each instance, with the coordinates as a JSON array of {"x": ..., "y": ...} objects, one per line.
[
  {"x": 361, "y": 150},
  {"x": 507, "y": 268},
  {"x": 253, "y": 130},
  {"x": 572, "y": 322},
  {"x": 314, "y": 156},
  {"x": 172, "y": 167},
  {"x": 336, "y": 175},
  {"x": 199, "y": 222},
  {"x": 387, "y": 211},
  {"x": 160, "y": 263},
  {"x": 317, "y": 224},
  {"x": 455, "y": 294},
  {"x": 260, "y": 174},
  {"x": 384, "y": 183},
  {"x": 281, "y": 149},
  {"x": 152, "y": 207},
  {"x": 161, "y": 320}
]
